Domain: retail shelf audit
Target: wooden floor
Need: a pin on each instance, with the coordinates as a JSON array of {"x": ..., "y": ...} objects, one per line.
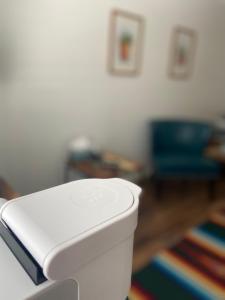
[{"x": 164, "y": 222}]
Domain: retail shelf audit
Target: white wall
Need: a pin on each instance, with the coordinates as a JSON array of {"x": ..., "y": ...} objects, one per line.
[{"x": 59, "y": 85}]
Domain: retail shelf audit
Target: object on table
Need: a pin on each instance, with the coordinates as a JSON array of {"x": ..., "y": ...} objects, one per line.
[
  {"x": 121, "y": 162},
  {"x": 216, "y": 152},
  {"x": 82, "y": 148}
]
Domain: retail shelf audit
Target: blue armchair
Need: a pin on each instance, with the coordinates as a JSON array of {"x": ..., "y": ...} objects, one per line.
[{"x": 178, "y": 150}]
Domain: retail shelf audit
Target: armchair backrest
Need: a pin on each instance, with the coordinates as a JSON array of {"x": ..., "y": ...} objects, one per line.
[{"x": 179, "y": 137}]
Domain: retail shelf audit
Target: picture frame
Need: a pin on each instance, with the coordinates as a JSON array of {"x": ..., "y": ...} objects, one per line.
[
  {"x": 125, "y": 43},
  {"x": 183, "y": 52}
]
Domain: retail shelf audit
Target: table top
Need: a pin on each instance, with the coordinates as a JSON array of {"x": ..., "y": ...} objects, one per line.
[
  {"x": 94, "y": 170},
  {"x": 102, "y": 170}
]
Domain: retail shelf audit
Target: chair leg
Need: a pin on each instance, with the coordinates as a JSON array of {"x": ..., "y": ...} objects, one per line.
[
  {"x": 158, "y": 188},
  {"x": 184, "y": 189},
  {"x": 211, "y": 189}
]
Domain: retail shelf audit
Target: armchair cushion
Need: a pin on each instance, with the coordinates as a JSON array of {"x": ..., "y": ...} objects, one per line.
[{"x": 183, "y": 165}]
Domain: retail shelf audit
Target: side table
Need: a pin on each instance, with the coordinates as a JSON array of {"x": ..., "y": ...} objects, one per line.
[
  {"x": 216, "y": 152},
  {"x": 75, "y": 170}
]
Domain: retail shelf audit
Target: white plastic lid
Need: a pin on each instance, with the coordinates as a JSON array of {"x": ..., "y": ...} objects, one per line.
[{"x": 47, "y": 219}]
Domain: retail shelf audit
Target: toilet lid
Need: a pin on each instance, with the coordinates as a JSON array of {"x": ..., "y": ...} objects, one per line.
[{"x": 57, "y": 215}]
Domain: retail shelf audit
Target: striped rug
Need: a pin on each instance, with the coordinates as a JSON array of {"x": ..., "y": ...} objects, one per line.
[{"x": 193, "y": 269}]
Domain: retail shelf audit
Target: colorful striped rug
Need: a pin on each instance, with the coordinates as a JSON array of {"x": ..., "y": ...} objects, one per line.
[{"x": 193, "y": 269}]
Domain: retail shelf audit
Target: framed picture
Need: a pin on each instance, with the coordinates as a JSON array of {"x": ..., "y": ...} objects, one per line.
[
  {"x": 125, "y": 43},
  {"x": 183, "y": 49}
]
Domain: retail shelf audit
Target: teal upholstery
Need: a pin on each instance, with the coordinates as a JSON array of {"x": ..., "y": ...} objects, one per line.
[
  {"x": 184, "y": 165},
  {"x": 178, "y": 149}
]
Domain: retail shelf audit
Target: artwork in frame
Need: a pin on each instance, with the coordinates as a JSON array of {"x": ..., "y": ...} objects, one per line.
[
  {"x": 183, "y": 50},
  {"x": 125, "y": 43}
]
